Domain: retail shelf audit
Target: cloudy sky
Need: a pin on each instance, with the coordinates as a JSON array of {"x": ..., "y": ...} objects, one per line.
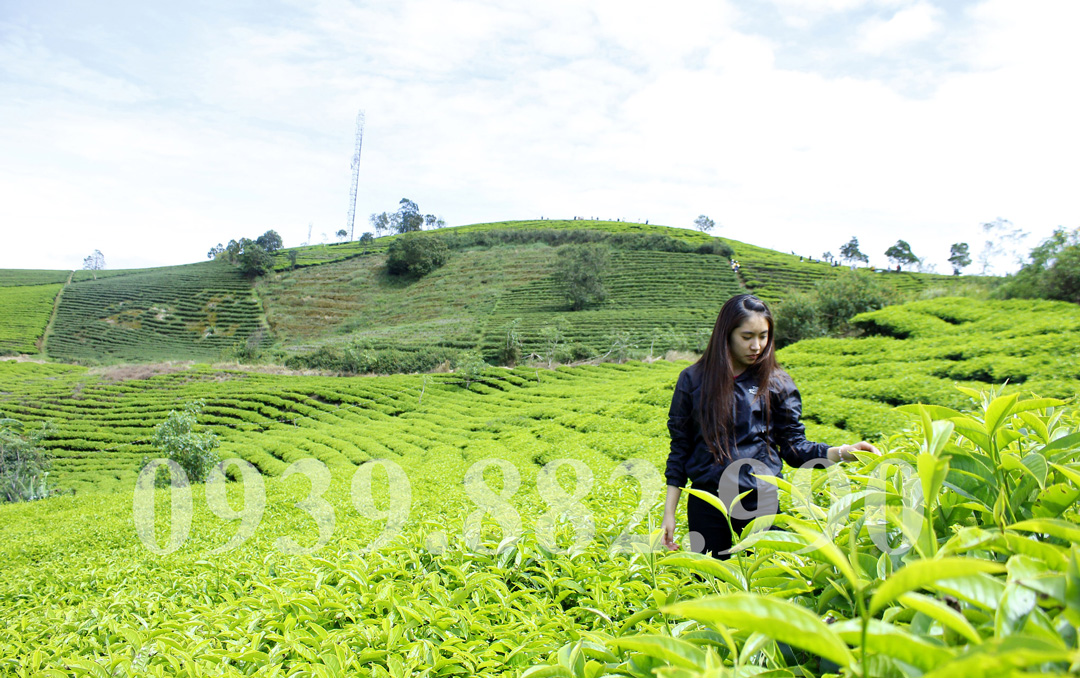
[{"x": 153, "y": 130}]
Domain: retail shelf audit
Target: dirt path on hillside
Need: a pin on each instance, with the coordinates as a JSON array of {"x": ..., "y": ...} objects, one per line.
[{"x": 52, "y": 318}]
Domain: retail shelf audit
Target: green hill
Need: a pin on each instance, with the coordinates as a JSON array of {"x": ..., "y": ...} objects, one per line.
[
  {"x": 337, "y": 301},
  {"x": 191, "y": 312}
]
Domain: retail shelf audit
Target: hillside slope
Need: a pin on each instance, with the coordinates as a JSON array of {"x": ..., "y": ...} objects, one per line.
[
  {"x": 338, "y": 300},
  {"x": 191, "y": 312}
]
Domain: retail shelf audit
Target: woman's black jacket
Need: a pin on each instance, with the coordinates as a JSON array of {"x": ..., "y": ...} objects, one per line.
[{"x": 690, "y": 456}]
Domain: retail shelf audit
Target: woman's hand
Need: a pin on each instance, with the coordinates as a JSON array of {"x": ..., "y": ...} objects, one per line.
[
  {"x": 669, "y": 531},
  {"x": 847, "y": 452}
]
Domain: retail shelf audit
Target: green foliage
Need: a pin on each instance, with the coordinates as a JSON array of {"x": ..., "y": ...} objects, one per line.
[
  {"x": 24, "y": 465},
  {"x": 253, "y": 257},
  {"x": 850, "y": 251},
  {"x": 901, "y": 254},
  {"x": 19, "y": 277},
  {"x": 362, "y": 358},
  {"x": 654, "y": 241},
  {"x": 173, "y": 313},
  {"x": 581, "y": 269},
  {"x": 177, "y": 439},
  {"x": 1052, "y": 271},
  {"x": 470, "y": 366},
  {"x": 511, "y": 349},
  {"x": 26, "y": 314},
  {"x": 797, "y": 318},
  {"x": 986, "y": 586},
  {"x": 416, "y": 255},
  {"x": 407, "y": 219},
  {"x": 926, "y": 561},
  {"x": 704, "y": 224},
  {"x": 959, "y": 257},
  {"x": 269, "y": 241},
  {"x": 829, "y": 307}
]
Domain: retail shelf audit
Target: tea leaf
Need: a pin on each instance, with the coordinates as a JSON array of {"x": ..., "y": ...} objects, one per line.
[
  {"x": 924, "y": 572},
  {"x": 778, "y": 619},
  {"x": 673, "y": 650}
]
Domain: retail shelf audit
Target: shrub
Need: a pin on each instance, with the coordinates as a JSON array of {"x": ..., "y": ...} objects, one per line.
[
  {"x": 362, "y": 358},
  {"x": 416, "y": 255},
  {"x": 581, "y": 269},
  {"x": 849, "y": 294},
  {"x": 510, "y": 351},
  {"x": 24, "y": 465},
  {"x": 176, "y": 439},
  {"x": 1052, "y": 272},
  {"x": 470, "y": 365},
  {"x": 797, "y": 319},
  {"x": 829, "y": 307},
  {"x": 715, "y": 247}
]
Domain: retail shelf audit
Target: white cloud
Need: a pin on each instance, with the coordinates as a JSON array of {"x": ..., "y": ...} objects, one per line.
[{"x": 911, "y": 24}]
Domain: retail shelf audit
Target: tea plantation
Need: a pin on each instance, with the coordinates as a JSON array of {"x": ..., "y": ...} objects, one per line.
[
  {"x": 772, "y": 275},
  {"x": 472, "y": 301},
  {"x": 508, "y": 526},
  {"x": 26, "y": 311},
  {"x": 441, "y": 572},
  {"x": 191, "y": 312}
]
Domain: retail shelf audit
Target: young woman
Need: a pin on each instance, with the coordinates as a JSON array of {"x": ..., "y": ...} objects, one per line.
[{"x": 734, "y": 413}]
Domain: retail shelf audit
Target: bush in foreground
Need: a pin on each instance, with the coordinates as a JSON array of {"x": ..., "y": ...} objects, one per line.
[
  {"x": 177, "y": 440},
  {"x": 24, "y": 465}
]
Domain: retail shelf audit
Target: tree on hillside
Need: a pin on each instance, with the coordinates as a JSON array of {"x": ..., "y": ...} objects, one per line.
[
  {"x": 249, "y": 257},
  {"x": 366, "y": 239},
  {"x": 850, "y": 251},
  {"x": 381, "y": 222},
  {"x": 95, "y": 262},
  {"x": 581, "y": 269},
  {"x": 269, "y": 241},
  {"x": 959, "y": 257},
  {"x": 342, "y": 234},
  {"x": 901, "y": 254},
  {"x": 1053, "y": 269},
  {"x": 253, "y": 257},
  {"x": 704, "y": 224},
  {"x": 1002, "y": 246},
  {"x": 828, "y": 257},
  {"x": 406, "y": 219}
]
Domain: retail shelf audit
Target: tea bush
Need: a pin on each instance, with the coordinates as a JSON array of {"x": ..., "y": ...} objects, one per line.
[{"x": 26, "y": 312}]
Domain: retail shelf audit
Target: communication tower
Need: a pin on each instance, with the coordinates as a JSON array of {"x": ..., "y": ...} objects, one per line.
[{"x": 355, "y": 185}]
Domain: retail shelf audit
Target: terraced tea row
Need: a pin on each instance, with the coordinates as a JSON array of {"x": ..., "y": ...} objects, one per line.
[
  {"x": 177, "y": 313},
  {"x": 104, "y": 427},
  {"x": 850, "y": 388},
  {"x": 17, "y": 277},
  {"x": 471, "y": 300},
  {"x": 25, "y": 312}
]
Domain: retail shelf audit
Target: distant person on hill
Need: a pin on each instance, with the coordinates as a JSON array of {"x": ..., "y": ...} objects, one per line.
[{"x": 733, "y": 410}]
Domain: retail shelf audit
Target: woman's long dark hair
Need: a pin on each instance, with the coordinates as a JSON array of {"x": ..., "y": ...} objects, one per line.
[{"x": 716, "y": 410}]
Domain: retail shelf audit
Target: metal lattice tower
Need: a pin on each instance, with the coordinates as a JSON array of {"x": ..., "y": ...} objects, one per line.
[{"x": 354, "y": 186}]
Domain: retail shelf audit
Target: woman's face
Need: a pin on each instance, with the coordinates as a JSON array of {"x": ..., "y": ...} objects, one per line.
[{"x": 747, "y": 341}]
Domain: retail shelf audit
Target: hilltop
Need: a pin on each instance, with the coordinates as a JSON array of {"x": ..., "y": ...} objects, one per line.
[{"x": 335, "y": 307}]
